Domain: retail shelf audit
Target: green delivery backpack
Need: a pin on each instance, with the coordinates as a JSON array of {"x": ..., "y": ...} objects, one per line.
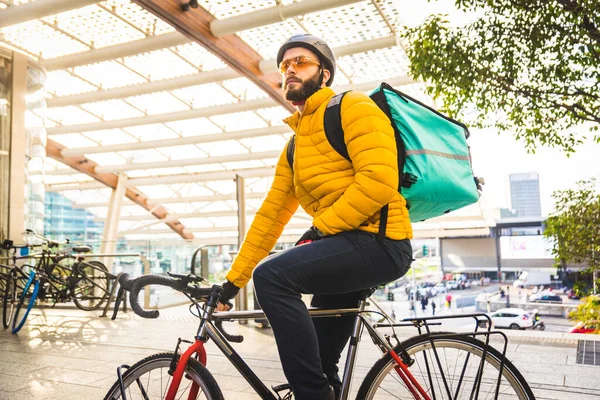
[{"x": 434, "y": 162}]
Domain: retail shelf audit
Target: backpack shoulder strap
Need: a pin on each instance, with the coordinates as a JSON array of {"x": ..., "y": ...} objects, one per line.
[
  {"x": 290, "y": 151},
  {"x": 333, "y": 125}
]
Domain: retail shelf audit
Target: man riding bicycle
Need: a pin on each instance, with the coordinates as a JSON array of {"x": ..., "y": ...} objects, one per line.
[{"x": 342, "y": 257}]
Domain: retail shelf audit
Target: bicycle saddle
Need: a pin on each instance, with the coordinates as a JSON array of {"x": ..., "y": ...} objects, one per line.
[{"x": 82, "y": 249}]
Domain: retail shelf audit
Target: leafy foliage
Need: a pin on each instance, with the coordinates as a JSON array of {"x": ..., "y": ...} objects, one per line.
[
  {"x": 532, "y": 65},
  {"x": 575, "y": 225},
  {"x": 588, "y": 312}
]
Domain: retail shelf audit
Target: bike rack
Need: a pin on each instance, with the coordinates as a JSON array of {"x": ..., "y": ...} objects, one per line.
[{"x": 112, "y": 297}]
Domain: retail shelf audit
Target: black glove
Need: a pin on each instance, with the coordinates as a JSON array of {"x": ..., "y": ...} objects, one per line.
[
  {"x": 309, "y": 236},
  {"x": 229, "y": 292}
]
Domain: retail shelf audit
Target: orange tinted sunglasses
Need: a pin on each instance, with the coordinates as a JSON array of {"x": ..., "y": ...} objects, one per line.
[{"x": 299, "y": 63}]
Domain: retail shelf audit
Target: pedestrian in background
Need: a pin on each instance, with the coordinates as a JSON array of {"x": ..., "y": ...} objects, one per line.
[
  {"x": 449, "y": 300},
  {"x": 433, "y": 306}
]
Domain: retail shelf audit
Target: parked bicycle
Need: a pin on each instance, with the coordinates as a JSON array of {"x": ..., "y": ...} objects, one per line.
[
  {"x": 431, "y": 365},
  {"x": 56, "y": 277}
]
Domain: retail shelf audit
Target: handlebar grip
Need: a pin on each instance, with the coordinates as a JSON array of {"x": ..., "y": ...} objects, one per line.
[
  {"x": 146, "y": 280},
  {"x": 230, "y": 337}
]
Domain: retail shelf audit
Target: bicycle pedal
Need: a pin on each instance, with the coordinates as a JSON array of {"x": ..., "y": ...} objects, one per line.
[{"x": 281, "y": 388}]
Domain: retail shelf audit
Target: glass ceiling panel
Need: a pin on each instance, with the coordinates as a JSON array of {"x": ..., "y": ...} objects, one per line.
[
  {"x": 229, "y": 8},
  {"x": 157, "y": 103},
  {"x": 112, "y": 109},
  {"x": 194, "y": 127},
  {"x": 239, "y": 121},
  {"x": 182, "y": 152},
  {"x": 349, "y": 24},
  {"x": 191, "y": 189},
  {"x": 62, "y": 83},
  {"x": 223, "y": 148},
  {"x": 197, "y": 223},
  {"x": 246, "y": 164},
  {"x": 143, "y": 156},
  {"x": 41, "y": 39},
  {"x": 71, "y": 115},
  {"x": 139, "y": 17},
  {"x": 274, "y": 115},
  {"x": 108, "y": 74},
  {"x": 53, "y": 179},
  {"x": 200, "y": 57},
  {"x": 264, "y": 143},
  {"x": 72, "y": 140},
  {"x": 165, "y": 171},
  {"x": 150, "y": 132},
  {"x": 156, "y": 191},
  {"x": 376, "y": 65},
  {"x": 208, "y": 95},
  {"x": 107, "y": 28},
  {"x": 107, "y": 159},
  {"x": 267, "y": 40},
  {"x": 223, "y": 187},
  {"x": 244, "y": 89},
  {"x": 160, "y": 64},
  {"x": 203, "y": 168},
  {"x": 110, "y": 136}
]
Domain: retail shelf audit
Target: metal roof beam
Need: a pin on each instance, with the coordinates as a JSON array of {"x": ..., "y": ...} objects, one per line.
[
  {"x": 266, "y": 66},
  {"x": 153, "y": 144},
  {"x": 267, "y": 16},
  {"x": 250, "y": 105},
  {"x": 175, "y": 200},
  {"x": 83, "y": 165},
  {"x": 121, "y": 50},
  {"x": 205, "y": 214},
  {"x": 203, "y": 230},
  {"x": 14, "y": 15},
  {"x": 200, "y": 78},
  {"x": 203, "y": 177},
  {"x": 188, "y": 162}
]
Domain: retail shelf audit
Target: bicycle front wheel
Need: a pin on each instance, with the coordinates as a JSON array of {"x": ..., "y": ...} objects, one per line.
[
  {"x": 149, "y": 379},
  {"x": 26, "y": 302},
  {"x": 9, "y": 299},
  {"x": 454, "y": 374},
  {"x": 90, "y": 289}
]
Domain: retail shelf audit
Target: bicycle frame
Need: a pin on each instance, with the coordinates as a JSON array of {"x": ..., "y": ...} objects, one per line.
[{"x": 208, "y": 330}]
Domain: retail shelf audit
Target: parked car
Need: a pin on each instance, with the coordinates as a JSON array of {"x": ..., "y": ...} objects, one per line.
[
  {"x": 452, "y": 284},
  {"x": 440, "y": 288},
  {"x": 582, "y": 328},
  {"x": 545, "y": 297},
  {"x": 513, "y": 318}
]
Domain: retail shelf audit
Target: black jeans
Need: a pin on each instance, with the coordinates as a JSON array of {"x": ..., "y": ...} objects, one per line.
[{"x": 334, "y": 269}]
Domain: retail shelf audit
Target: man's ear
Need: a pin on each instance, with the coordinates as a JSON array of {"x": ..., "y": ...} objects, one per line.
[{"x": 326, "y": 76}]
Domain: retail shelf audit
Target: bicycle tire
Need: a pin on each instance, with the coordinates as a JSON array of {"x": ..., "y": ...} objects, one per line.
[
  {"x": 195, "y": 371},
  {"x": 22, "y": 311},
  {"x": 9, "y": 298},
  {"x": 382, "y": 381},
  {"x": 78, "y": 294}
]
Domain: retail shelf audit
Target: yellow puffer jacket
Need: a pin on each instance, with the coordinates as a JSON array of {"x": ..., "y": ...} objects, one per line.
[{"x": 340, "y": 195}]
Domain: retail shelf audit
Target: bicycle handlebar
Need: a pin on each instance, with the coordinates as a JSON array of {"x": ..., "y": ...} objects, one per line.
[{"x": 50, "y": 242}]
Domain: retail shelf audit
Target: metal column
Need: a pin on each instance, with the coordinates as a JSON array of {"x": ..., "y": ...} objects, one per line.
[
  {"x": 111, "y": 225},
  {"x": 16, "y": 183},
  {"x": 240, "y": 190}
]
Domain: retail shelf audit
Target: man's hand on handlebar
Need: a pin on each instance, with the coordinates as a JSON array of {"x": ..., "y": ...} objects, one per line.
[{"x": 229, "y": 292}]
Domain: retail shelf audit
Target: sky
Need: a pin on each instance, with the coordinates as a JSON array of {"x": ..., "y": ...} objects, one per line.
[{"x": 496, "y": 156}]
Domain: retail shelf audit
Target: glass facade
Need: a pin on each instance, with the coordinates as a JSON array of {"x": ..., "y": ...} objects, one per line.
[
  {"x": 525, "y": 194},
  {"x": 62, "y": 221}
]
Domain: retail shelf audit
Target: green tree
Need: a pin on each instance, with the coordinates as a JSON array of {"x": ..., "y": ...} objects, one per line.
[
  {"x": 530, "y": 67},
  {"x": 575, "y": 226}
]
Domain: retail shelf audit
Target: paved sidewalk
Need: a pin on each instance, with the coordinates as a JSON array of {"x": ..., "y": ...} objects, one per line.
[{"x": 70, "y": 354}]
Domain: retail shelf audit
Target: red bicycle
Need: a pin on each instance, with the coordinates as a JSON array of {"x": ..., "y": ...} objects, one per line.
[{"x": 431, "y": 365}]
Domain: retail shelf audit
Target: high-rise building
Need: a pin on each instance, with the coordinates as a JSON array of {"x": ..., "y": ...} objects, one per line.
[
  {"x": 62, "y": 221},
  {"x": 525, "y": 194}
]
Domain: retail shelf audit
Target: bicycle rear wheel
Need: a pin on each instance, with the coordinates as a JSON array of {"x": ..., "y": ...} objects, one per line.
[
  {"x": 460, "y": 359},
  {"x": 9, "y": 299},
  {"x": 90, "y": 289},
  {"x": 26, "y": 301},
  {"x": 149, "y": 379}
]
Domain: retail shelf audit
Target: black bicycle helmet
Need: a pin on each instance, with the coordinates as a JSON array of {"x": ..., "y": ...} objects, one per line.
[{"x": 314, "y": 44}]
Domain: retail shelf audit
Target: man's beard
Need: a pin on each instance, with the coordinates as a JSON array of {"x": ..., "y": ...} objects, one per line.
[{"x": 307, "y": 88}]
